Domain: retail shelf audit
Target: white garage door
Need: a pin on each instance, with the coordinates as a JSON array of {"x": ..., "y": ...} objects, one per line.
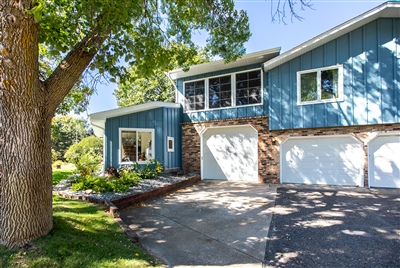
[
  {"x": 384, "y": 161},
  {"x": 230, "y": 153},
  {"x": 327, "y": 160}
]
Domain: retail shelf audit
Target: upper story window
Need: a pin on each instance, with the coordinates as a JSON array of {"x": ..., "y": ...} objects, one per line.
[
  {"x": 224, "y": 91},
  {"x": 194, "y": 95},
  {"x": 248, "y": 88},
  {"x": 320, "y": 85},
  {"x": 220, "y": 92},
  {"x": 136, "y": 145}
]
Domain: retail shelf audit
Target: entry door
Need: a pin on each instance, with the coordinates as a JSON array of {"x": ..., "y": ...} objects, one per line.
[{"x": 230, "y": 153}]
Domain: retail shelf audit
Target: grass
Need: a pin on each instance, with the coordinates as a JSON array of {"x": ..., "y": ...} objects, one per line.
[
  {"x": 63, "y": 173},
  {"x": 83, "y": 236}
]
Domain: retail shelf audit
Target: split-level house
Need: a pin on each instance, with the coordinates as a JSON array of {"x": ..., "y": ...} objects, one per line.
[{"x": 325, "y": 112}]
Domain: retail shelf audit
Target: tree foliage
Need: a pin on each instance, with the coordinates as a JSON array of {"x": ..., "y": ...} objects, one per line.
[
  {"x": 75, "y": 36},
  {"x": 156, "y": 87},
  {"x": 86, "y": 155},
  {"x": 65, "y": 131}
]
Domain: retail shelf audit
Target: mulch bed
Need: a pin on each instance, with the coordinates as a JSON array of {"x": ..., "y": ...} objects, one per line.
[{"x": 329, "y": 228}]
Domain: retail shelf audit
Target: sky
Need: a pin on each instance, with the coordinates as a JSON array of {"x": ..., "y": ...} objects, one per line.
[{"x": 324, "y": 15}]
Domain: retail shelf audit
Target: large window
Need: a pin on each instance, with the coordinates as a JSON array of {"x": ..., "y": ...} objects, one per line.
[
  {"x": 136, "y": 145},
  {"x": 320, "y": 85},
  {"x": 237, "y": 89},
  {"x": 194, "y": 95},
  {"x": 248, "y": 88},
  {"x": 220, "y": 92}
]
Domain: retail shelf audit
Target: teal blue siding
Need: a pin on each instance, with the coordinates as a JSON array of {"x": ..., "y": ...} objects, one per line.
[
  {"x": 371, "y": 63},
  {"x": 225, "y": 113},
  {"x": 164, "y": 121}
]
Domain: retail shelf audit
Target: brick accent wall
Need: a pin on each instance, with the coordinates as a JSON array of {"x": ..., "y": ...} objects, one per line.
[{"x": 269, "y": 142}]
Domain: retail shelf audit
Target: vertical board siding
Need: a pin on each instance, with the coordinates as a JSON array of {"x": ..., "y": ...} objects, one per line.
[
  {"x": 164, "y": 121},
  {"x": 370, "y": 56}
]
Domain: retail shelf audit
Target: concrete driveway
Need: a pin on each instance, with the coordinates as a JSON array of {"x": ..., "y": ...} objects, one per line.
[
  {"x": 230, "y": 224},
  {"x": 213, "y": 223}
]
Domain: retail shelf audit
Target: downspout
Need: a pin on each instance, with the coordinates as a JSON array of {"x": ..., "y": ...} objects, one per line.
[{"x": 173, "y": 84}]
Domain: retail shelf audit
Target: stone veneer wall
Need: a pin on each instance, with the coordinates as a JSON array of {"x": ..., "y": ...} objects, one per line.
[{"x": 269, "y": 142}]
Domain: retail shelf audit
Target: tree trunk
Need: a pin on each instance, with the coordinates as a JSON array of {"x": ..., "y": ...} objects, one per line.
[{"x": 25, "y": 149}]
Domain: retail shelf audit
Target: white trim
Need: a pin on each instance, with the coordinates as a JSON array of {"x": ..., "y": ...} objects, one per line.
[
  {"x": 370, "y": 156},
  {"x": 153, "y": 143},
  {"x": 339, "y": 67},
  {"x": 98, "y": 120},
  {"x": 360, "y": 179},
  {"x": 220, "y": 65},
  {"x": 170, "y": 149},
  {"x": 220, "y": 127},
  {"x": 386, "y": 10},
  {"x": 233, "y": 91}
]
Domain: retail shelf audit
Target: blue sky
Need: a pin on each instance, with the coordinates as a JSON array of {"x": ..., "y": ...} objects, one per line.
[{"x": 325, "y": 15}]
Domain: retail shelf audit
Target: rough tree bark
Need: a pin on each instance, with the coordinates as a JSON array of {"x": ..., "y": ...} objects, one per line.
[{"x": 26, "y": 108}]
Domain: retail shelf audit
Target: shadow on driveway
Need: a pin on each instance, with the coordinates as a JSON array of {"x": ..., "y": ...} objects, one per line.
[
  {"x": 213, "y": 223},
  {"x": 334, "y": 228}
]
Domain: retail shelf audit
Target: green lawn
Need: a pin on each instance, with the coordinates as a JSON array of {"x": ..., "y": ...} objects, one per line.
[
  {"x": 63, "y": 173},
  {"x": 83, "y": 236}
]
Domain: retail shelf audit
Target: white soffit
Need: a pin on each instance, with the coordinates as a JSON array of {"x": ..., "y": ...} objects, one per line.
[
  {"x": 98, "y": 120},
  {"x": 386, "y": 10},
  {"x": 214, "y": 66}
]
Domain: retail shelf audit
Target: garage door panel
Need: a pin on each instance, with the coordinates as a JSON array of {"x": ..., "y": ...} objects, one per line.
[
  {"x": 333, "y": 160},
  {"x": 384, "y": 161},
  {"x": 230, "y": 153}
]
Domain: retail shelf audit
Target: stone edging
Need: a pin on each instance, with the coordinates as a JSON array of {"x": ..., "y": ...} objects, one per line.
[{"x": 115, "y": 205}]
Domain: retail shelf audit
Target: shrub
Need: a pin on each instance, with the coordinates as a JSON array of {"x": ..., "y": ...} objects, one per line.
[
  {"x": 86, "y": 155},
  {"x": 152, "y": 169},
  {"x": 118, "y": 181}
]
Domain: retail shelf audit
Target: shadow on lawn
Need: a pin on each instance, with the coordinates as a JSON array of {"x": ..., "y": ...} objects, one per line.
[
  {"x": 328, "y": 228},
  {"x": 82, "y": 236}
]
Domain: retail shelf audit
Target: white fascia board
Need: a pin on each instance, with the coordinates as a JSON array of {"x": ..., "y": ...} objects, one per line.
[
  {"x": 132, "y": 109},
  {"x": 388, "y": 9},
  {"x": 98, "y": 120},
  {"x": 219, "y": 65}
]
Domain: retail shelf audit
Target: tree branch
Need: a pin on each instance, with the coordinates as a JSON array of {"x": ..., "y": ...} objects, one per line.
[
  {"x": 70, "y": 69},
  {"x": 280, "y": 11}
]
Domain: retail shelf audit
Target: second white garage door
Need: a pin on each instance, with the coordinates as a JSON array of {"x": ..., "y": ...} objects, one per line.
[
  {"x": 384, "y": 161},
  {"x": 326, "y": 160},
  {"x": 230, "y": 153}
]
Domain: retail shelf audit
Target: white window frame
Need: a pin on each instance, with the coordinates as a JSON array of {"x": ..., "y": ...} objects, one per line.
[
  {"x": 170, "y": 149},
  {"x": 205, "y": 94},
  {"x": 233, "y": 91},
  {"x": 318, "y": 71},
  {"x": 153, "y": 144}
]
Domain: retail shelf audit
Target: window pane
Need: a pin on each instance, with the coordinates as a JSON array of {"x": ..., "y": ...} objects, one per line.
[
  {"x": 218, "y": 87},
  {"x": 145, "y": 146},
  {"x": 194, "y": 95},
  {"x": 329, "y": 84},
  {"x": 308, "y": 85},
  {"x": 248, "y": 88},
  {"x": 254, "y": 75},
  {"x": 128, "y": 144},
  {"x": 241, "y": 76}
]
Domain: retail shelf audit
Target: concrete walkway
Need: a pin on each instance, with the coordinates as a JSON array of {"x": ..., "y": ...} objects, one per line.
[{"x": 213, "y": 223}]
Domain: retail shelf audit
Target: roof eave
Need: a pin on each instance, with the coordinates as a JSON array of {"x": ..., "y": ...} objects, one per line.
[
  {"x": 98, "y": 120},
  {"x": 251, "y": 58},
  {"x": 332, "y": 34}
]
